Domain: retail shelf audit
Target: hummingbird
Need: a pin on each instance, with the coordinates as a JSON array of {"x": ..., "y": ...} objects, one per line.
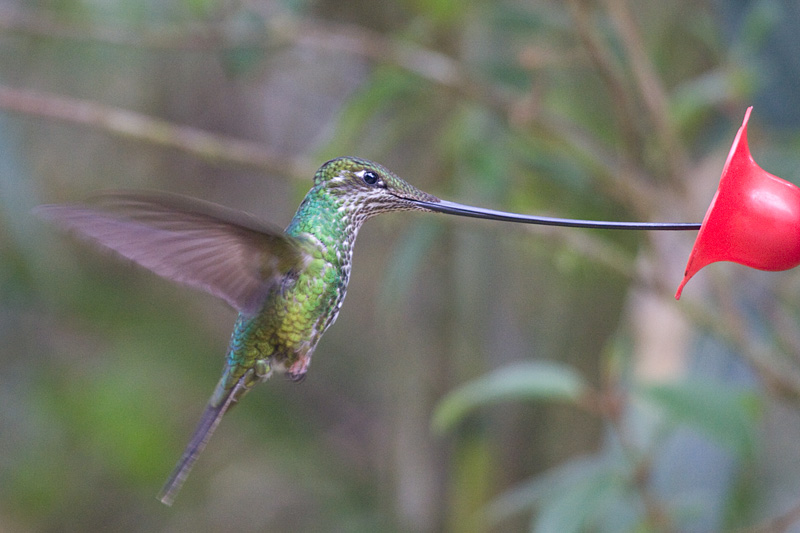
[{"x": 287, "y": 286}]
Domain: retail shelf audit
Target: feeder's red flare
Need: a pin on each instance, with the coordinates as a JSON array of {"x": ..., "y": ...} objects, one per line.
[{"x": 754, "y": 218}]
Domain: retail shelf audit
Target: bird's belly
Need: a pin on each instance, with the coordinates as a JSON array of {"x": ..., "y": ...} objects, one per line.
[
  {"x": 307, "y": 310},
  {"x": 290, "y": 324}
]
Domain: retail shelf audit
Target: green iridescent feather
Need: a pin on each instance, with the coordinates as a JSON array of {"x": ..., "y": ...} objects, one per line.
[{"x": 288, "y": 286}]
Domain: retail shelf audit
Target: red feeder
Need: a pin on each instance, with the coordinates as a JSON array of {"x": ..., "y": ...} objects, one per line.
[{"x": 754, "y": 218}]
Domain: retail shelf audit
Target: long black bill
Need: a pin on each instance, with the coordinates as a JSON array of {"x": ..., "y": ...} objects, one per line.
[{"x": 453, "y": 208}]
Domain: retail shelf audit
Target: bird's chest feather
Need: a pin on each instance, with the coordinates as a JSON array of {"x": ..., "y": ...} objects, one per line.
[
  {"x": 294, "y": 316},
  {"x": 309, "y": 305}
]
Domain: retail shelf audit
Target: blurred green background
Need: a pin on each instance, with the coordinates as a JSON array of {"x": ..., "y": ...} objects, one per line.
[{"x": 481, "y": 376}]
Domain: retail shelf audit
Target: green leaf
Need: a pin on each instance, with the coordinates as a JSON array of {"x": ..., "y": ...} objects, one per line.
[
  {"x": 242, "y": 56},
  {"x": 385, "y": 88},
  {"x": 441, "y": 11},
  {"x": 533, "y": 380},
  {"x": 518, "y": 19},
  {"x": 580, "y": 503},
  {"x": 200, "y": 8},
  {"x": 527, "y": 495},
  {"x": 570, "y": 497},
  {"x": 724, "y": 413}
]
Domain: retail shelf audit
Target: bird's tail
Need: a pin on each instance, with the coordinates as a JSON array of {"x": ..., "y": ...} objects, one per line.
[{"x": 208, "y": 423}]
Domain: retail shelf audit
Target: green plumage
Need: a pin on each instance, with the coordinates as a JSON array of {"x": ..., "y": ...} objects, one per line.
[{"x": 288, "y": 286}]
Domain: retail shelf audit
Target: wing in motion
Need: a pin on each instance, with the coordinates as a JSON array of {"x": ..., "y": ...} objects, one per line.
[{"x": 227, "y": 253}]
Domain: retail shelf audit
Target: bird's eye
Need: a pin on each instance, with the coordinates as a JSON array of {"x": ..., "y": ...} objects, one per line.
[{"x": 370, "y": 177}]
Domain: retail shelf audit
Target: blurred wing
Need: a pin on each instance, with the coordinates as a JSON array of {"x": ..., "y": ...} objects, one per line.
[{"x": 222, "y": 251}]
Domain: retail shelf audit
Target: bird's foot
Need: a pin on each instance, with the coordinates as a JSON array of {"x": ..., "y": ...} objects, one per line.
[{"x": 297, "y": 372}]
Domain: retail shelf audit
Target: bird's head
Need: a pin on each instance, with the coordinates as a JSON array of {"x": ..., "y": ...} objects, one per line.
[{"x": 366, "y": 188}]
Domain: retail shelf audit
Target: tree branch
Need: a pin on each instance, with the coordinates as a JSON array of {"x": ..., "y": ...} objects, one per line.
[
  {"x": 650, "y": 88},
  {"x": 209, "y": 146}
]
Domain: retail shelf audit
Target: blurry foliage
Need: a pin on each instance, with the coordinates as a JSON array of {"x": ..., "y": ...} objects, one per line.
[
  {"x": 566, "y": 390},
  {"x": 533, "y": 380},
  {"x": 587, "y": 492}
]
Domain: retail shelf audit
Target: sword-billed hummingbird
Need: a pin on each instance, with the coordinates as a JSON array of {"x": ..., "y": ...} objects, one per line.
[{"x": 287, "y": 286}]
